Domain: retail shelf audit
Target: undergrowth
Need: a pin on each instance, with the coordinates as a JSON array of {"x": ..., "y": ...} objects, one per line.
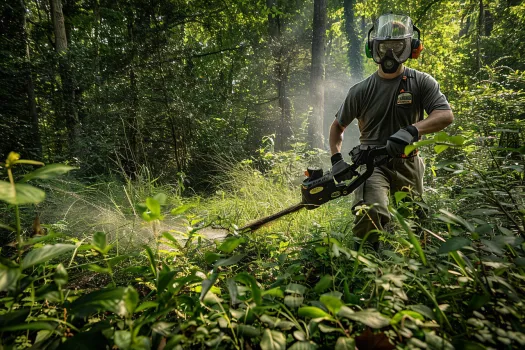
[{"x": 454, "y": 280}]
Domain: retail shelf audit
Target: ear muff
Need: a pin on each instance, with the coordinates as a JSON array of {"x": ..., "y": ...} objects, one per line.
[
  {"x": 368, "y": 45},
  {"x": 416, "y": 44},
  {"x": 368, "y": 51}
]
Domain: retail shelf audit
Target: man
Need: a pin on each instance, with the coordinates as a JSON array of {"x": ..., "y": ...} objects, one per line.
[{"x": 389, "y": 107}]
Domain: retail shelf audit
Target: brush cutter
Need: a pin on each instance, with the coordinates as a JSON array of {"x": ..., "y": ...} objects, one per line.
[{"x": 319, "y": 187}]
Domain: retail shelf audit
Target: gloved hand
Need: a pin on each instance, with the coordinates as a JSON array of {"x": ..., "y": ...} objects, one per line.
[
  {"x": 338, "y": 164},
  {"x": 395, "y": 146}
]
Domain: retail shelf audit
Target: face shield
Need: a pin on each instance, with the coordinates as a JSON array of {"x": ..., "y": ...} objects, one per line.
[{"x": 391, "y": 38}]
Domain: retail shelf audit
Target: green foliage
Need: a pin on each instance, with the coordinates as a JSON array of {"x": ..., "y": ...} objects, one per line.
[{"x": 273, "y": 289}]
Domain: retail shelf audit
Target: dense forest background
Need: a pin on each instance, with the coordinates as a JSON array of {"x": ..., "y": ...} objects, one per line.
[
  {"x": 179, "y": 121},
  {"x": 117, "y": 85}
]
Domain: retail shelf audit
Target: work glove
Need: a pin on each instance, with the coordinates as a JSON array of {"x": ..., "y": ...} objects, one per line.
[
  {"x": 395, "y": 145},
  {"x": 339, "y": 166}
]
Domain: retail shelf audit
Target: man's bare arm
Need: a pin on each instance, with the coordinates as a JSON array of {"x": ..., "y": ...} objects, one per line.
[
  {"x": 336, "y": 137},
  {"x": 436, "y": 121}
]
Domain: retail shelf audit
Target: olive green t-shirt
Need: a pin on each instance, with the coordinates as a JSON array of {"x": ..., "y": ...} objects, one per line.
[{"x": 383, "y": 106}]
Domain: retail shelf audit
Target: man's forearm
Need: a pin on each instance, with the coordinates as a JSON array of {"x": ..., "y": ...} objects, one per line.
[
  {"x": 336, "y": 137},
  {"x": 436, "y": 121}
]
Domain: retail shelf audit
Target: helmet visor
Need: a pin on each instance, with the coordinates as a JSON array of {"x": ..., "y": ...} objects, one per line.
[
  {"x": 401, "y": 49},
  {"x": 392, "y": 26},
  {"x": 397, "y": 46}
]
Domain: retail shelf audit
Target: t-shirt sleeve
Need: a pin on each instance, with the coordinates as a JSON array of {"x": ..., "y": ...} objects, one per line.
[
  {"x": 432, "y": 97},
  {"x": 349, "y": 109}
]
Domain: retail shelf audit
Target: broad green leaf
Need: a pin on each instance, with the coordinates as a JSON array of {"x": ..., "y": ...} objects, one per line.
[
  {"x": 14, "y": 317},
  {"x": 423, "y": 310},
  {"x": 270, "y": 320},
  {"x": 101, "y": 300},
  {"x": 250, "y": 281},
  {"x": 182, "y": 209},
  {"x": 324, "y": 283},
  {"x": 248, "y": 331},
  {"x": 332, "y": 303},
  {"x": 293, "y": 301},
  {"x": 146, "y": 305},
  {"x": 455, "y": 219},
  {"x": 233, "y": 290},
  {"x": 8, "y": 277},
  {"x": 295, "y": 288},
  {"x": 401, "y": 315},
  {"x": 46, "y": 253},
  {"x": 409, "y": 148},
  {"x": 435, "y": 342},
  {"x": 424, "y": 142},
  {"x": 165, "y": 277},
  {"x": 453, "y": 244},
  {"x": 457, "y": 140},
  {"x": 32, "y": 326},
  {"x": 400, "y": 195},
  {"x": 485, "y": 212},
  {"x": 25, "y": 194},
  {"x": 232, "y": 260},
  {"x": 153, "y": 206},
  {"x": 344, "y": 343},
  {"x": 274, "y": 292},
  {"x": 163, "y": 328},
  {"x": 97, "y": 268},
  {"x": 441, "y": 137},
  {"x": 161, "y": 198},
  {"x": 230, "y": 243},
  {"x": 48, "y": 172},
  {"x": 60, "y": 276},
  {"x": 211, "y": 257},
  {"x": 273, "y": 340},
  {"x": 122, "y": 339},
  {"x": 312, "y": 312},
  {"x": 440, "y": 148},
  {"x": 344, "y": 311},
  {"x": 327, "y": 329},
  {"x": 207, "y": 284},
  {"x": 131, "y": 299},
  {"x": 99, "y": 242},
  {"x": 172, "y": 239},
  {"x": 303, "y": 345},
  {"x": 370, "y": 317}
]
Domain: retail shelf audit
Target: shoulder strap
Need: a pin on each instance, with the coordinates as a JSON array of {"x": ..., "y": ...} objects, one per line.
[{"x": 410, "y": 73}]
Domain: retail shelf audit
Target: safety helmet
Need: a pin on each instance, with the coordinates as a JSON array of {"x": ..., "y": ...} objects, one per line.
[{"x": 391, "y": 41}]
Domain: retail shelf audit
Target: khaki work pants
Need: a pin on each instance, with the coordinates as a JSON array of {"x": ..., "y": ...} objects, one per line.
[{"x": 399, "y": 174}]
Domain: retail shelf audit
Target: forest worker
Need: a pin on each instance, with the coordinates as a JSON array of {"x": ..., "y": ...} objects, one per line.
[{"x": 389, "y": 107}]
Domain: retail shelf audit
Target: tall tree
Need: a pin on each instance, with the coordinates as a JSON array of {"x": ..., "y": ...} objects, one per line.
[
  {"x": 280, "y": 76},
  {"x": 70, "y": 113},
  {"x": 355, "y": 58},
  {"x": 317, "y": 74},
  {"x": 30, "y": 88}
]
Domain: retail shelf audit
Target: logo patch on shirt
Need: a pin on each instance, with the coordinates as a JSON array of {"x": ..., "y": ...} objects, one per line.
[{"x": 404, "y": 98}]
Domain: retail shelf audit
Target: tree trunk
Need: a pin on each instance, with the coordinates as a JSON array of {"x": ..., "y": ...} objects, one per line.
[
  {"x": 479, "y": 33},
  {"x": 316, "y": 115},
  {"x": 66, "y": 76},
  {"x": 355, "y": 58},
  {"x": 284, "y": 130},
  {"x": 30, "y": 89}
]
